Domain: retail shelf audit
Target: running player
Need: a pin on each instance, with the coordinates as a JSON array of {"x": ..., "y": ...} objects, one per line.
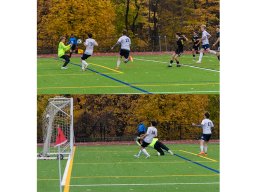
[
  {"x": 61, "y": 52},
  {"x": 207, "y": 126},
  {"x": 89, "y": 44},
  {"x": 125, "y": 43},
  {"x": 73, "y": 41},
  {"x": 217, "y": 42},
  {"x": 195, "y": 48},
  {"x": 205, "y": 44},
  {"x": 141, "y": 130},
  {"x": 180, "y": 43},
  {"x": 147, "y": 139}
]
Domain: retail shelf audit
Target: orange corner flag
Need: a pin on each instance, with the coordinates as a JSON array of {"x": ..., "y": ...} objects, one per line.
[{"x": 60, "y": 139}]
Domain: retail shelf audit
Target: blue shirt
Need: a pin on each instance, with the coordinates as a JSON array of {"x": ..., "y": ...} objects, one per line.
[
  {"x": 141, "y": 128},
  {"x": 72, "y": 40}
]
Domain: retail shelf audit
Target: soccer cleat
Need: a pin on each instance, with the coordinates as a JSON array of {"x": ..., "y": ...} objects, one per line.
[
  {"x": 64, "y": 68},
  {"x": 170, "y": 65},
  {"x": 178, "y": 65},
  {"x": 147, "y": 156},
  {"x": 198, "y": 61},
  {"x": 201, "y": 153},
  {"x": 158, "y": 154},
  {"x": 170, "y": 152},
  {"x": 136, "y": 156},
  {"x": 130, "y": 58},
  {"x": 117, "y": 68}
]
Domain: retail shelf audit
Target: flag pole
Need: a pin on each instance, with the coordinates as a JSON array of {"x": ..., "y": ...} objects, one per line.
[{"x": 59, "y": 168}]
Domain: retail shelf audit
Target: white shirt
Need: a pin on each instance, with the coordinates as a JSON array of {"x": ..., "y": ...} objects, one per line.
[
  {"x": 205, "y": 39},
  {"x": 151, "y": 133},
  {"x": 89, "y": 43},
  {"x": 207, "y": 125},
  {"x": 125, "y": 42}
]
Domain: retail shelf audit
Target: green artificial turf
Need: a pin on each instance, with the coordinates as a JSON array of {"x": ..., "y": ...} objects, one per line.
[
  {"x": 147, "y": 74},
  {"x": 114, "y": 169}
]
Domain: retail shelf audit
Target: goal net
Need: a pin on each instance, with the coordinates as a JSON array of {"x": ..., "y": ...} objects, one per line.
[{"x": 58, "y": 114}]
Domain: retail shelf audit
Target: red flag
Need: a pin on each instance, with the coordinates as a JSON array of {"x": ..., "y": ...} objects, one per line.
[{"x": 60, "y": 139}]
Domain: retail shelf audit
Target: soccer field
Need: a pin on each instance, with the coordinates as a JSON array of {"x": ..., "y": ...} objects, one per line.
[
  {"x": 147, "y": 74},
  {"x": 114, "y": 169}
]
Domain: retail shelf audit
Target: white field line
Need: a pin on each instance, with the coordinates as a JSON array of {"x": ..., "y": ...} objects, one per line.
[
  {"x": 142, "y": 184},
  {"x": 206, "y": 69}
]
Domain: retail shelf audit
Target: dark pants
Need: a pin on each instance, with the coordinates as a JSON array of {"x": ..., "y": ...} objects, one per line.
[
  {"x": 67, "y": 60},
  {"x": 160, "y": 146}
]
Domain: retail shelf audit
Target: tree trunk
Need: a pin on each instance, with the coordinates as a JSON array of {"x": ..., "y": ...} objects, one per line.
[{"x": 127, "y": 13}]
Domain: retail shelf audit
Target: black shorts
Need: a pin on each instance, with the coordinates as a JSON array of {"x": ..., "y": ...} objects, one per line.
[
  {"x": 196, "y": 48},
  {"x": 144, "y": 144},
  {"x": 179, "y": 51},
  {"x": 206, "y": 137},
  {"x": 141, "y": 133},
  {"x": 73, "y": 47},
  {"x": 85, "y": 56},
  {"x": 125, "y": 53}
]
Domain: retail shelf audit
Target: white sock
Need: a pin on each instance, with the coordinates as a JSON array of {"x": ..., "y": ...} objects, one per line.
[
  {"x": 118, "y": 62},
  {"x": 139, "y": 153},
  {"x": 205, "y": 149},
  {"x": 145, "y": 152},
  {"x": 212, "y": 52},
  {"x": 84, "y": 64},
  {"x": 201, "y": 56},
  {"x": 202, "y": 148}
]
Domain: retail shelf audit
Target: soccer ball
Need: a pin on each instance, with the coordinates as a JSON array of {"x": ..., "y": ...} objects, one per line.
[{"x": 79, "y": 41}]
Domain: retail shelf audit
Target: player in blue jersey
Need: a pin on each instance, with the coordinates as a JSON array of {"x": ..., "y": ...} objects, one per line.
[{"x": 73, "y": 41}]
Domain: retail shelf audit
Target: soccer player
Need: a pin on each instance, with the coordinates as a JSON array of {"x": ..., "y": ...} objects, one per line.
[
  {"x": 73, "y": 41},
  {"x": 89, "y": 44},
  {"x": 195, "y": 48},
  {"x": 205, "y": 44},
  {"x": 217, "y": 42},
  {"x": 147, "y": 139},
  {"x": 180, "y": 43},
  {"x": 61, "y": 52},
  {"x": 141, "y": 130},
  {"x": 207, "y": 126},
  {"x": 125, "y": 43}
]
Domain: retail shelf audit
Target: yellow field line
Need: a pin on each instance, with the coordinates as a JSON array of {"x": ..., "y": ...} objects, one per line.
[
  {"x": 146, "y": 176},
  {"x": 106, "y": 68},
  {"x": 119, "y": 86},
  {"x": 199, "y": 156},
  {"x": 66, "y": 188}
]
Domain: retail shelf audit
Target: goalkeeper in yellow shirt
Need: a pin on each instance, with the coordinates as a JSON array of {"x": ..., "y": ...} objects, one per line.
[{"x": 62, "y": 50}]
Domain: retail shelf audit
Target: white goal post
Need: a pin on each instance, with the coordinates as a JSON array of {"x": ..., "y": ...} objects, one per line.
[{"x": 58, "y": 114}]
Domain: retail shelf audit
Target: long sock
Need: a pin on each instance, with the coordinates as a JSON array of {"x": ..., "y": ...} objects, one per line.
[
  {"x": 194, "y": 55},
  {"x": 205, "y": 149},
  {"x": 145, "y": 152},
  {"x": 213, "y": 52},
  {"x": 84, "y": 64},
  {"x": 171, "y": 62},
  {"x": 65, "y": 64},
  {"x": 139, "y": 153},
  {"x": 177, "y": 62},
  {"x": 118, "y": 62},
  {"x": 201, "y": 56},
  {"x": 202, "y": 148}
]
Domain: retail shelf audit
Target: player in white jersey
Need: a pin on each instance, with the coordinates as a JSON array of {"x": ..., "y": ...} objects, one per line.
[
  {"x": 125, "y": 43},
  {"x": 205, "y": 44},
  {"x": 207, "y": 126},
  {"x": 147, "y": 139},
  {"x": 89, "y": 44}
]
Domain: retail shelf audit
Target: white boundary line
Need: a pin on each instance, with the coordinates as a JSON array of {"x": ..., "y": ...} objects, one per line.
[
  {"x": 142, "y": 184},
  {"x": 187, "y": 65}
]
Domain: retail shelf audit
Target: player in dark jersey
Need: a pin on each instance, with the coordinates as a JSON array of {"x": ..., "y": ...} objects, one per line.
[
  {"x": 180, "y": 43},
  {"x": 73, "y": 41},
  {"x": 217, "y": 42},
  {"x": 195, "y": 48}
]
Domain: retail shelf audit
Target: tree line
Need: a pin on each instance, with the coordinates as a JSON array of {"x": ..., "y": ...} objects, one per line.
[{"x": 145, "y": 20}]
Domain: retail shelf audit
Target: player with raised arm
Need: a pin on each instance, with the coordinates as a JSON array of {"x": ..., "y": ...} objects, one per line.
[
  {"x": 89, "y": 44},
  {"x": 180, "y": 43},
  {"x": 205, "y": 44},
  {"x": 73, "y": 41},
  {"x": 62, "y": 48},
  {"x": 207, "y": 126},
  {"x": 217, "y": 42},
  {"x": 195, "y": 48},
  {"x": 125, "y": 43},
  {"x": 147, "y": 139}
]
